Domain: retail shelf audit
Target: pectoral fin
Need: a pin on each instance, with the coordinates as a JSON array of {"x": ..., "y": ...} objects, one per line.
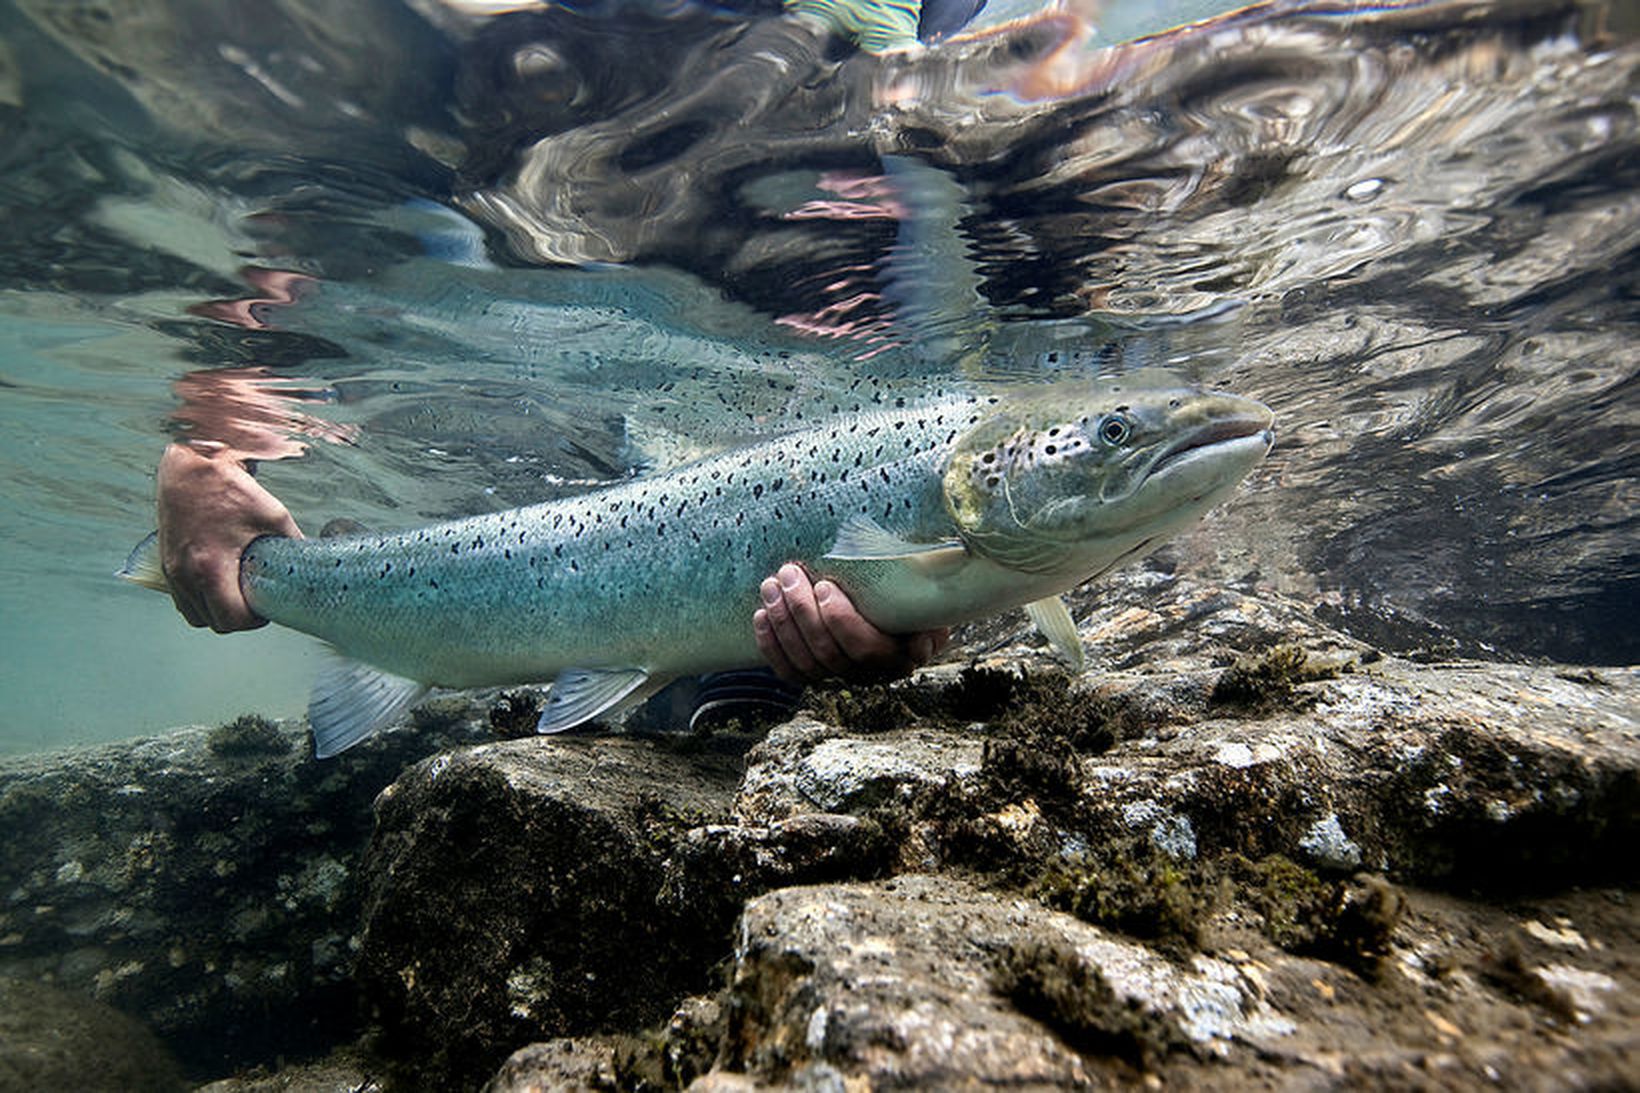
[
  {"x": 862, "y": 539},
  {"x": 581, "y": 694},
  {"x": 351, "y": 700},
  {"x": 1054, "y": 621}
]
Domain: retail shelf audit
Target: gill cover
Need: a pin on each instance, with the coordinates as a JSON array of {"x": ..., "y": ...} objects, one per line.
[{"x": 1025, "y": 483}]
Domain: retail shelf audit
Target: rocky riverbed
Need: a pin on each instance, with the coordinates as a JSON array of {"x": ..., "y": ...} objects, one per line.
[{"x": 1243, "y": 850}]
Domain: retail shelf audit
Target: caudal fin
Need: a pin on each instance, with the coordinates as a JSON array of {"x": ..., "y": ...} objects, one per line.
[{"x": 142, "y": 566}]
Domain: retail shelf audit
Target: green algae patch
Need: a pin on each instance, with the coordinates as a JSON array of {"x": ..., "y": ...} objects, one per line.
[
  {"x": 1347, "y": 922},
  {"x": 1008, "y": 702},
  {"x": 1269, "y": 682},
  {"x": 1054, "y": 985},
  {"x": 1155, "y": 900},
  {"x": 247, "y": 735}
]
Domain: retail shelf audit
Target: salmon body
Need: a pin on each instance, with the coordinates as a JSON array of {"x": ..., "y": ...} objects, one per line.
[{"x": 927, "y": 514}]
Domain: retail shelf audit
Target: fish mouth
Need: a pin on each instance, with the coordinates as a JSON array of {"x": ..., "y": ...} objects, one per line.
[{"x": 1251, "y": 429}]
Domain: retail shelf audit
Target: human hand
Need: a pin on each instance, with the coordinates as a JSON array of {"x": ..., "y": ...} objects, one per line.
[
  {"x": 808, "y": 630},
  {"x": 209, "y": 511}
]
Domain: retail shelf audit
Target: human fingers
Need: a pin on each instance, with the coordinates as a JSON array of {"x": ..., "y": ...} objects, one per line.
[
  {"x": 870, "y": 649},
  {"x": 188, "y": 602},
  {"x": 783, "y": 628},
  {"x": 204, "y": 583},
  {"x": 808, "y": 628},
  {"x": 866, "y": 647},
  {"x": 769, "y": 646}
]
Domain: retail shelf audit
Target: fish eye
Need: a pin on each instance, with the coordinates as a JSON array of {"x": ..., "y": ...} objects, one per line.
[{"x": 1114, "y": 429}]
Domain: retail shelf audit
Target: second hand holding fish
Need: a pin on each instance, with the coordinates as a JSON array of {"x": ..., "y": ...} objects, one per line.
[{"x": 809, "y": 630}]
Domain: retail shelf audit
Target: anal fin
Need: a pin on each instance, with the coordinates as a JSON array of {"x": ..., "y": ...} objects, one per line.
[
  {"x": 351, "y": 700},
  {"x": 1053, "y": 620},
  {"x": 580, "y": 694}
]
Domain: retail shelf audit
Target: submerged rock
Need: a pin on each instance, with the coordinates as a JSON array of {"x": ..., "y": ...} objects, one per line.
[
  {"x": 513, "y": 893},
  {"x": 203, "y": 879},
  {"x": 54, "y": 1039},
  {"x": 1155, "y": 872},
  {"x": 1245, "y": 851},
  {"x": 927, "y": 982},
  {"x": 932, "y": 982}
]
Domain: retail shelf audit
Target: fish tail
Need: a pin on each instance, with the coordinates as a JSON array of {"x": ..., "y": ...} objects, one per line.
[{"x": 142, "y": 566}]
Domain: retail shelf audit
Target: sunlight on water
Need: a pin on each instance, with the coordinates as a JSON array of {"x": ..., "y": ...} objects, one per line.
[{"x": 449, "y": 259}]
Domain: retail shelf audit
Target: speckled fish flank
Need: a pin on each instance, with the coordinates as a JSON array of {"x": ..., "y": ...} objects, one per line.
[{"x": 926, "y": 514}]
